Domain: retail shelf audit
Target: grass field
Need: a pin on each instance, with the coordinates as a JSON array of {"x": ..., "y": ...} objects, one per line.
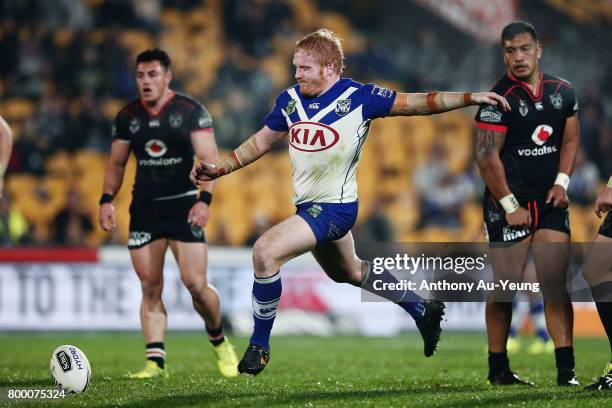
[{"x": 303, "y": 372}]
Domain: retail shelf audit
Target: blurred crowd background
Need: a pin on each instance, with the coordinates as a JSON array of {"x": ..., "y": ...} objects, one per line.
[{"x": 66, "y": 68}]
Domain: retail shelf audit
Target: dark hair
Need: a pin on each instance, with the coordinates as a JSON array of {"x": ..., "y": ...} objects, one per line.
[
  {"x": 518, "y": 27},
  {"x": 154, "y": 54}
]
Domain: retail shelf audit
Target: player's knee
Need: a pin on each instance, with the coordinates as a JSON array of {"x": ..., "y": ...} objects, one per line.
[
  {"x": 151, "y": 287},
  {"x": 264, "y": 260},
  {"x": 151, "y": 293},
  {"x": 194, "y": 286}
]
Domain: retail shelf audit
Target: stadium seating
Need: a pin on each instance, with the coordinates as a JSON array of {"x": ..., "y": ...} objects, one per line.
[{"x": 196, "y": 39}]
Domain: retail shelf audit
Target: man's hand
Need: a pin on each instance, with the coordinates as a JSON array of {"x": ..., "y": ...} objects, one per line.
[
  {"x": 519, "y": 219},
  {"x": 203, "y": 171},
  {"x": 604, "y": 201},
  {"x": 198, "y": 215},
  {"x": 107, "y": 217},
  {"x": 558, "y": 196},
  {"x": 491, "y": 98}
]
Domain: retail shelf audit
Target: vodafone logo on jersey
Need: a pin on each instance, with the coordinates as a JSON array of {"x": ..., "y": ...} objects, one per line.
[
  {"x": 312, "y": 136},
  {"x": 156, "y": 148},
  {"x": 541, "y": 134}
]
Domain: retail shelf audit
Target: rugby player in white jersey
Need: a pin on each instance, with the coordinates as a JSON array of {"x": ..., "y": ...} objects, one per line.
[
  {"x": 327, "y": 118},
  {"x": 6, "y": 147}
]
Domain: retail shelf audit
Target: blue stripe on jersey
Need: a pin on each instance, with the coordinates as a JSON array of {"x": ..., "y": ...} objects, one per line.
[{"x": 362, "y": 135}]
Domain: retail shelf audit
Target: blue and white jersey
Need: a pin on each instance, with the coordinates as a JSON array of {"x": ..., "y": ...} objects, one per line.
[{"x": 326, "y": 135}]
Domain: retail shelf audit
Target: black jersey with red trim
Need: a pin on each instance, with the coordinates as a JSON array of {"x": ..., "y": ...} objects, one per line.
[
  {"x": 534, "y": 131},
  {"x": 162, "y": 144}
]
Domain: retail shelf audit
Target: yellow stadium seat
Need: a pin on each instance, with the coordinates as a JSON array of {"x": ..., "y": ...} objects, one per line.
[
  {"x": 136, "y": 40},
  {"x": 17, "y": 109},
  {"x": 60, "y": 165},
  {"x": 403, "y": 213},
  {"x": 307, "y": 12},
  {"x": 20, "y": 184}
]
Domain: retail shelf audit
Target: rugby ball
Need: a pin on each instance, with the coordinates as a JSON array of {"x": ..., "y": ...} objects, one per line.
[{"x": 70, "y": 369}]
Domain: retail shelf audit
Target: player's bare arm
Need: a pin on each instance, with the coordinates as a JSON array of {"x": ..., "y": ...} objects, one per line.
[
  {"x": 6, "y": 145},
  {"x": 252, "y": 149},
  {"x": 569, "y": 149},
  {"x": 411, "y": 104},
  {"x": 488, "y": 145},
  {"x": 604, "y": 199},
  {"x": 205, "y": 148},
  {"x": 120, "y": 153}
]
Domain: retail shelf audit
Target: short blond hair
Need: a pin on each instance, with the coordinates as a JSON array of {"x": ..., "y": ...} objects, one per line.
[{"x": 325, "y": 46}]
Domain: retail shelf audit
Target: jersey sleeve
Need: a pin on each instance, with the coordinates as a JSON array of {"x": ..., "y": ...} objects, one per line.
[
  {"x": 120, "y": 128},
  {"x": 377, "y": 101},
  {"x": 200, "y": 119},
  {"x": 571, "y": 107},
  {"x": 490, "y": 117},
  {"x": 275, "y": 120}
]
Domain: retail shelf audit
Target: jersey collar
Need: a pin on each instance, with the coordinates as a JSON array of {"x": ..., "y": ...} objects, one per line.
[
  {"x": 526, "y": 86},
  {"x": 324, "y": 94},
  {"x": 164, "y": 106}
]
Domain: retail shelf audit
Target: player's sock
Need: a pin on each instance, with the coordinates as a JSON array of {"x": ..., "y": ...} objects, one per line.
[
  {"x": 536, "y": 310},
  {"x": 564, "y": 358},
  {"x": 602, "y": 294},
  {"x": 266, "y": 296},
  {"x": 406, "y": 299},
  {"x": 498, "y": 363},
  {"x": 215, "y": 335},
  {"x": 156, "y": 353}
]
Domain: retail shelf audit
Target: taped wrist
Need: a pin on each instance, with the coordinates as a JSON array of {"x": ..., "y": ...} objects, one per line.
[
  {"x": 562, "y": 180},
  {"x": 436, "y": 102},
  {"x": 244, "y": 154},
  {"x": 509, "y": 203}
]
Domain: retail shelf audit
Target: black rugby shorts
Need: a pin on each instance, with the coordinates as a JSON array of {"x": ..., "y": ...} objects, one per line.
[{"x": 151, "y": 220}]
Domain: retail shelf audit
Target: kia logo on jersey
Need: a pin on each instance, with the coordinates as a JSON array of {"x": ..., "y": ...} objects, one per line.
[
  {"x": 156, "y": 148},
  {"x": 312, "y": 136},
  {"x": 541, "y": 134}
]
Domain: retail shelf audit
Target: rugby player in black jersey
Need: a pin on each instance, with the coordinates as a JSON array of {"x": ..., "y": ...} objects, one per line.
[
  {"x": 598, "y": 272},
  {"x": 526, "y": 157},
  {"x": 165, "y": 130}
]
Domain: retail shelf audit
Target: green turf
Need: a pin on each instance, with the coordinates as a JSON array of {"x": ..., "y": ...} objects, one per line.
[{"x": 304, "y": 372}]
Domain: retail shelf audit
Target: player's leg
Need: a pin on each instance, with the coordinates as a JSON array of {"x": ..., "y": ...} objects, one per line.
[
  {"x": 192, "y": 259},
  {"x": 508, "y": 252},
  {"x": 340, "y": 262},
  {"x": 148, "y": 262},
  {"x": 535, "y": 305},
  {"x": 551, "y": 255},
  {"x": 508, "y": 263},
  {"x": 281, "y": 243},
  {"x": 521, "y": 308},
  {"x": 598, "y": 272}
]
